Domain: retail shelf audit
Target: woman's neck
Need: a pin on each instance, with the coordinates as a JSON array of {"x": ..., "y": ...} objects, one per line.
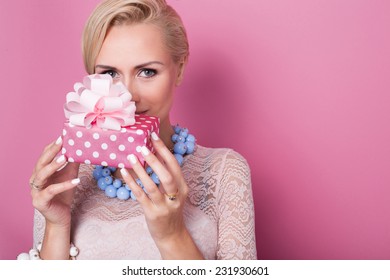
[{"x": 166, "y": 132}]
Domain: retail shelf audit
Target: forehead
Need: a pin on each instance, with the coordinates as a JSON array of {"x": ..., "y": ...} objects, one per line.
[{"x": 133, "y": 44}]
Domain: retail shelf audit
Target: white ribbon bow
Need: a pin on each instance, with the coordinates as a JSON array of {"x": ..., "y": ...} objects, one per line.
[{"x": 98, "y": 100}]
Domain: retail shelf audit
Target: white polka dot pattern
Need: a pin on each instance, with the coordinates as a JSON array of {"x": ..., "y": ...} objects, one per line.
[{"x": 107, "y": 147}]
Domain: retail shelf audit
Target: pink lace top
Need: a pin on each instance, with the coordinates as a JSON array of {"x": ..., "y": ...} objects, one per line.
[{"x": 218, "y": 213}]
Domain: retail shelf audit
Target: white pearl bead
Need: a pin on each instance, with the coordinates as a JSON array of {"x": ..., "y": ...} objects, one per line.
[
  {"x": 73, "y": 251},
  {"x": 34, "y": 255},
  {"x": 23, "y": 257}
]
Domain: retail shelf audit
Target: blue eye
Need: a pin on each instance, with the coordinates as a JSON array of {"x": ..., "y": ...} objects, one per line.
[
  {"x": 112, "y": 73},
  {"x": 147, "y": 73}
]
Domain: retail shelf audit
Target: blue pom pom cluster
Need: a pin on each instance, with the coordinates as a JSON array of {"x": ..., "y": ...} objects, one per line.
[{"x": 184, "y": 144}]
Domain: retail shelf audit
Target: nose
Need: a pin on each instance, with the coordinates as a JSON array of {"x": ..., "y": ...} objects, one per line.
[
  {"x": 134, "y": 96},
  {"x": 131, "y": 87}
]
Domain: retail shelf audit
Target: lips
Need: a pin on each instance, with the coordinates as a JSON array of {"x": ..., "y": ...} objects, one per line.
[{"x": 141, "y": 112}]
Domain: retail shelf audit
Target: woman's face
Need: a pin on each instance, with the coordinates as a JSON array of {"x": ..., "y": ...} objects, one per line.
[{"x": 137, "y": 56}]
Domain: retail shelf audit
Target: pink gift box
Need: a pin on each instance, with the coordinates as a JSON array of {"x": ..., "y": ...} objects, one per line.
[{"x": 106, "y": 147}]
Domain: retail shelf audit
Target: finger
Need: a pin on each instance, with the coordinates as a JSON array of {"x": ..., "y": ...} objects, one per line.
[
  {"x": 44, "y": 173},
  {"x": 71, "y": 168},
  {"x": 42, "y": 197},
  {"x": 153, "y": 192},
  {"x": 137, "y": 190},
  {"x": 49, "y": 153},
  {"x": 166, "y": 155},
  {"x": 164, "y": 177},
  {"x": 171, "y": 164}
]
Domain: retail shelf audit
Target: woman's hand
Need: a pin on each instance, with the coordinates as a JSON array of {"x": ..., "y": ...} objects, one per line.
[
  {"x": 51, "y": 190},
  {"x": 163, "y": 206}
]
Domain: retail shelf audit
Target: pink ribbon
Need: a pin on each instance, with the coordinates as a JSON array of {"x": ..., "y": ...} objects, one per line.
[{"x": 98, "y": 100}]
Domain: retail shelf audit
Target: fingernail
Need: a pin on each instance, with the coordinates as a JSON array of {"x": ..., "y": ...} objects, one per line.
[
  {"x": 132, "y": 159},
  {"x": 124, "y": 172},
  {"x": 154, "y": 136},
  {"x": 61, "y": 159},
  {"x": 59, "y": 140},
  {"x": 145, "y": 151},
  {"x": 75, "y": 181}
]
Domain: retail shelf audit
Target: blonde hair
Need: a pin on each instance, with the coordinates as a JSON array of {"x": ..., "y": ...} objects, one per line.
[{"x": 117, "y": 12}]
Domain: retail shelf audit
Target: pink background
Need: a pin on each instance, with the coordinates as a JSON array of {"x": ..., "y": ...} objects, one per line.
[{"x": 300, "y": 88}]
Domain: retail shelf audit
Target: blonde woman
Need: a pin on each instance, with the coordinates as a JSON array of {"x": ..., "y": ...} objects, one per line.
[{"x": 202, "y": 210}]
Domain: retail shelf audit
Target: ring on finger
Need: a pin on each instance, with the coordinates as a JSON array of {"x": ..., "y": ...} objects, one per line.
[
  {"x": 171, "y": 196},
  {"x": 35, "y": 186}
]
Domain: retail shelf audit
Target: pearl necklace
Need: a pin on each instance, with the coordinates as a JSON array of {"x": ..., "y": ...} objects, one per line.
[{"x": 184, "y": 144}]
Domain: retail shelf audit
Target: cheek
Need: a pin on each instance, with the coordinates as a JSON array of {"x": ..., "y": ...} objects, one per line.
[
  {"x": 158, "y": 92},
  {"x": 164, "y": 91},
  {"x": 157, "y": 95}
]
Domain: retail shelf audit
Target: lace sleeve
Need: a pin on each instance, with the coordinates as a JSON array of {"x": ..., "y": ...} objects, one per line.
[
  {"x": 39, "y": 227},
  {"x": 236, "y": 226}
]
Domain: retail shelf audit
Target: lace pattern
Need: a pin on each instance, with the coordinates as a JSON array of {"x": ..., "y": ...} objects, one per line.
[{"x": 218, "y": 213}]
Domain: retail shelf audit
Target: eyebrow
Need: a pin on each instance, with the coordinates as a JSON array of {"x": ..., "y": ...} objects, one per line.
[{"x": 140, "y": 66}]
